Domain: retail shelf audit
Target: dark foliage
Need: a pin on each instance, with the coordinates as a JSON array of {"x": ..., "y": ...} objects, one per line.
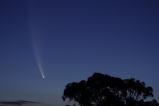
[{"x": 105, "y": 90}]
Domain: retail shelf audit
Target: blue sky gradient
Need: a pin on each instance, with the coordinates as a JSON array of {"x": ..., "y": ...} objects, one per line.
[{"x": 75, "y": 38}]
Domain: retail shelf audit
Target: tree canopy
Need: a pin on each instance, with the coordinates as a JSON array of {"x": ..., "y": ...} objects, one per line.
[{"x": 105, "y": 90}]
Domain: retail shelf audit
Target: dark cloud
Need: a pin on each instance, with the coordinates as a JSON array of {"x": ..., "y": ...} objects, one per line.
[{"x": 15, "y": 103}]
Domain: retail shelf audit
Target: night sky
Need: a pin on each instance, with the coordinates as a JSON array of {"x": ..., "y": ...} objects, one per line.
[{"x": 73, "y": 39}]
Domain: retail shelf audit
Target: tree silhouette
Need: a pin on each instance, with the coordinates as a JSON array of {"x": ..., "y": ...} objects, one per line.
[{"x": 105, "y": 90}]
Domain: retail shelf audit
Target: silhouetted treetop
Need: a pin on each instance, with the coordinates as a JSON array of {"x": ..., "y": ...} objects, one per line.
[{"x": 105, "y": 90}]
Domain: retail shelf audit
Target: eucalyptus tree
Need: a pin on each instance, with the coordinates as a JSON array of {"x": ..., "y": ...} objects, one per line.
[{"x": 105, "y": 90}]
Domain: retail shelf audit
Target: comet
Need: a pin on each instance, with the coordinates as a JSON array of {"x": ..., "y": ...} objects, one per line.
[
  {"x": 38, "y": 60},
  {"x": 40, "y": 67},
  {"x": 35, "y": 40}
]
